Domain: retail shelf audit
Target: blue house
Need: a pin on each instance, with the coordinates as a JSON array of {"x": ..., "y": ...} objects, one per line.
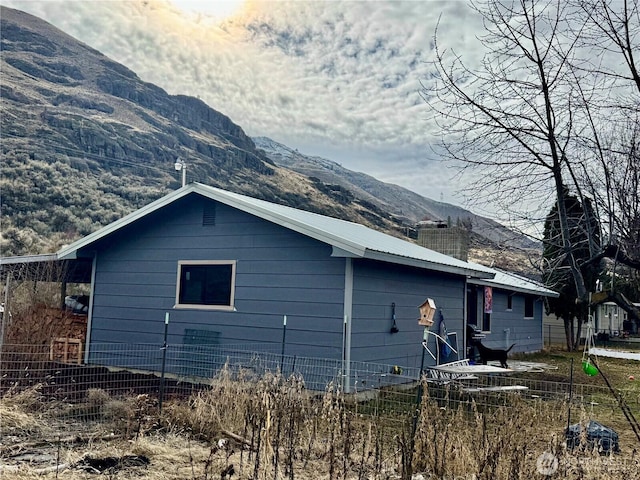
[
  {"x": 222, "y": 269},
  {"x": 508, "y": 310}
]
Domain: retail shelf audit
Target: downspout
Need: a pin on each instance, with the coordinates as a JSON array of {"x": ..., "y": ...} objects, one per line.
[
  {"x": 90, "y": 312},
  {"x": 465, "y": 318},
  {"x": 542, "y": 298},
  {"x": 348, "y": 308}
]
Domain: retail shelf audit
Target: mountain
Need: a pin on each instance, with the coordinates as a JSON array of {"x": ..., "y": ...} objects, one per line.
[
  {"x": 85, "y": 141},
  {"x": 402, "y": 203}
]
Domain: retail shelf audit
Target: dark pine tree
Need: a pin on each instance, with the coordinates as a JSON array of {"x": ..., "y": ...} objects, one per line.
[{"x": 584, "y": 231}]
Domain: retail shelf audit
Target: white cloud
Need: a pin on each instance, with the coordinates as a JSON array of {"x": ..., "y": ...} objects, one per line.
[{"x": 338, "y": 79}]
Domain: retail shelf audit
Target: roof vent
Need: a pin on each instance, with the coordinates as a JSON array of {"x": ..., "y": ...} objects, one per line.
[{"x": 209, "y": 214}]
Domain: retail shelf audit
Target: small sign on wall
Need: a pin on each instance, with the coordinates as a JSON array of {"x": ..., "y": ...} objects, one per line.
[{"x": 488, "y": 300}]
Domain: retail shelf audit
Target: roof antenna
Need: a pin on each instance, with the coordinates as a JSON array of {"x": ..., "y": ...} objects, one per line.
[{"x": 182, "y": 165}]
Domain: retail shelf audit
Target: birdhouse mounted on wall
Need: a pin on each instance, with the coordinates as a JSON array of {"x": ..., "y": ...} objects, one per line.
[{"x": 427, "y": 311}]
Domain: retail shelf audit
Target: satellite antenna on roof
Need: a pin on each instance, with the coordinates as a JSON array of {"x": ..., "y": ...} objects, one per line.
[{"x": 182, "y": 165}]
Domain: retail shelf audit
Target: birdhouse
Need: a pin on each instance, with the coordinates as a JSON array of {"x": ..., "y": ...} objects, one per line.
[{"x": 427, "y": 311}]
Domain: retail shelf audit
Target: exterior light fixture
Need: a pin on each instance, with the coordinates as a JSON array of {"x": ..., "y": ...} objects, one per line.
[{"x": 181, "y": 165}]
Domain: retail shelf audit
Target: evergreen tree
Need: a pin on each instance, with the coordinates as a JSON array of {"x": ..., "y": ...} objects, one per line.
[{"x": 584, "y": 232}]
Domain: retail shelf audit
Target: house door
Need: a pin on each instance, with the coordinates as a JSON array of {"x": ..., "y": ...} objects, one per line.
[
  {"x": 472, "y": 319},
  {"x": 472, "y": 305}
]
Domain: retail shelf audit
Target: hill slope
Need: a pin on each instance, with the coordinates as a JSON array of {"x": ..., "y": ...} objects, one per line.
[
  {"x": 402, "y": 203},
  {"x": 85, "y": 141}
]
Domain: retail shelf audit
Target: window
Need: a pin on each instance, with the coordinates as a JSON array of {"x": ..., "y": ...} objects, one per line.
[
  {"x": 528, "y": 307},
  {"x": 486, "y": 322},
  {"x": 206, "y": 284},
  {"x": 510, "y": 302}
]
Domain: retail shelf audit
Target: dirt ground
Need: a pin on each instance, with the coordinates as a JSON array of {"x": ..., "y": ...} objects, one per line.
[
  {"x": 206, "y": 437},
  {"x": 156, "y": 456}
]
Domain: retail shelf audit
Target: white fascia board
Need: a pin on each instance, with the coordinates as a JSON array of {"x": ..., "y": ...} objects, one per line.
[
  {"x": 424, "y": 264},
  {"x": 306, "y": 230},
  {"x": 545, "y": 292},
  {"x": 339, "y": 252},
  {"x": 20, "y": 259},
  {"x": 70, "y": 251}
]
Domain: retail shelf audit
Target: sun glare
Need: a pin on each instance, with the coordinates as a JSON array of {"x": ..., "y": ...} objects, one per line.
[{"x": 218, "y": 9}]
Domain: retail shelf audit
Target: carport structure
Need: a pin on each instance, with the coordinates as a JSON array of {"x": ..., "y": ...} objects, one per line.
[{"x": 45, "y": 268}]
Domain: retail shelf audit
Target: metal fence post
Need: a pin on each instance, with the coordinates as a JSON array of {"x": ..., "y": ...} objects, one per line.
[
  {"x": 416, "y": 413},
  {"x": 164, "y": 361},
  {"x": 284, "y": 336},
  {"x": 570, "y": 396}
]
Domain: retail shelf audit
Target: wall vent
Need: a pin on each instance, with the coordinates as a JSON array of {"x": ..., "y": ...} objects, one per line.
[
  {"x": 198, "y": 344},
  {"x": 193, "y": 337},
  {"x": 209, "y": 214}
]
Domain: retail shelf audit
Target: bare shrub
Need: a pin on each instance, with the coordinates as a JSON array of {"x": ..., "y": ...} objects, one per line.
[
  {"x": 17, "y": 409},
  {"x": 27, "y": 400},
  {"x": 272, "y": 427},
  {"x": 97, "y": 398}
]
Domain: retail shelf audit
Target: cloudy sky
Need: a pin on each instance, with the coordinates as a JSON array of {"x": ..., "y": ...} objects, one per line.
[{"x": 335, "y": 79}]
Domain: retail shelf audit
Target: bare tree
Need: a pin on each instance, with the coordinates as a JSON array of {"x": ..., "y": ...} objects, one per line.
[
  {"x": 611, "y": 140},
  {"x": 530, "y": 119}
]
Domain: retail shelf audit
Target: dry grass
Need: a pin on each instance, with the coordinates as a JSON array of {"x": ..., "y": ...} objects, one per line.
[
  {"x": 20, "y": 414},
  {"x": 272, "y": 428},
  {"x": 507, "y": 442},
  {"x": 617, "y": 371}
]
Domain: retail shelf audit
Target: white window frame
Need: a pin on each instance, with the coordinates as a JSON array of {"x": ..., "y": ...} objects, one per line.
[{"x": 230, "y": 307}]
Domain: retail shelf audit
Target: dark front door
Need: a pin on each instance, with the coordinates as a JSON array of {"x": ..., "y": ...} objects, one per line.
[{"x": 472, "y": 305}]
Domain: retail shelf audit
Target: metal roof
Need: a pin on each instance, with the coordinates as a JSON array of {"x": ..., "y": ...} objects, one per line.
[
  {"x": 20, "y": 259},
  {"x": 516, "y": 283},
  {"x": 347, "y": 238},
  {"x": 46, "y": 267}
]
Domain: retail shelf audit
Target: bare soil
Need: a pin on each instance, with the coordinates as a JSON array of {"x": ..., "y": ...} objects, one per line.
[{"x": 235, "y": 429}]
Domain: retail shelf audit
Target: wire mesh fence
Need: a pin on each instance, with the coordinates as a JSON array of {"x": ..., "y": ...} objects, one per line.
[
  {"x": 555, "y": 335},
  {"x": 299, "y": 402},
  {"x": 178, "y": 371},
  {"x": 143, "y": 367}
]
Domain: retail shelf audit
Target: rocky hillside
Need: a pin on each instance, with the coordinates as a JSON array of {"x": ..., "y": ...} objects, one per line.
[
  {"x": 400, "y": 202},
  {"x": 85, "y": 141}
]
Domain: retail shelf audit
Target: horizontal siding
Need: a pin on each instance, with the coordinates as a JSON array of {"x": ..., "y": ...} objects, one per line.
[
  {"x": 376, "y": 287},
  {"x": 203, "y": 251},
  {"x": 511, "y": 327},
  {"x": 278, "y": 272},
  {"x": 164, "y": 264}
]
